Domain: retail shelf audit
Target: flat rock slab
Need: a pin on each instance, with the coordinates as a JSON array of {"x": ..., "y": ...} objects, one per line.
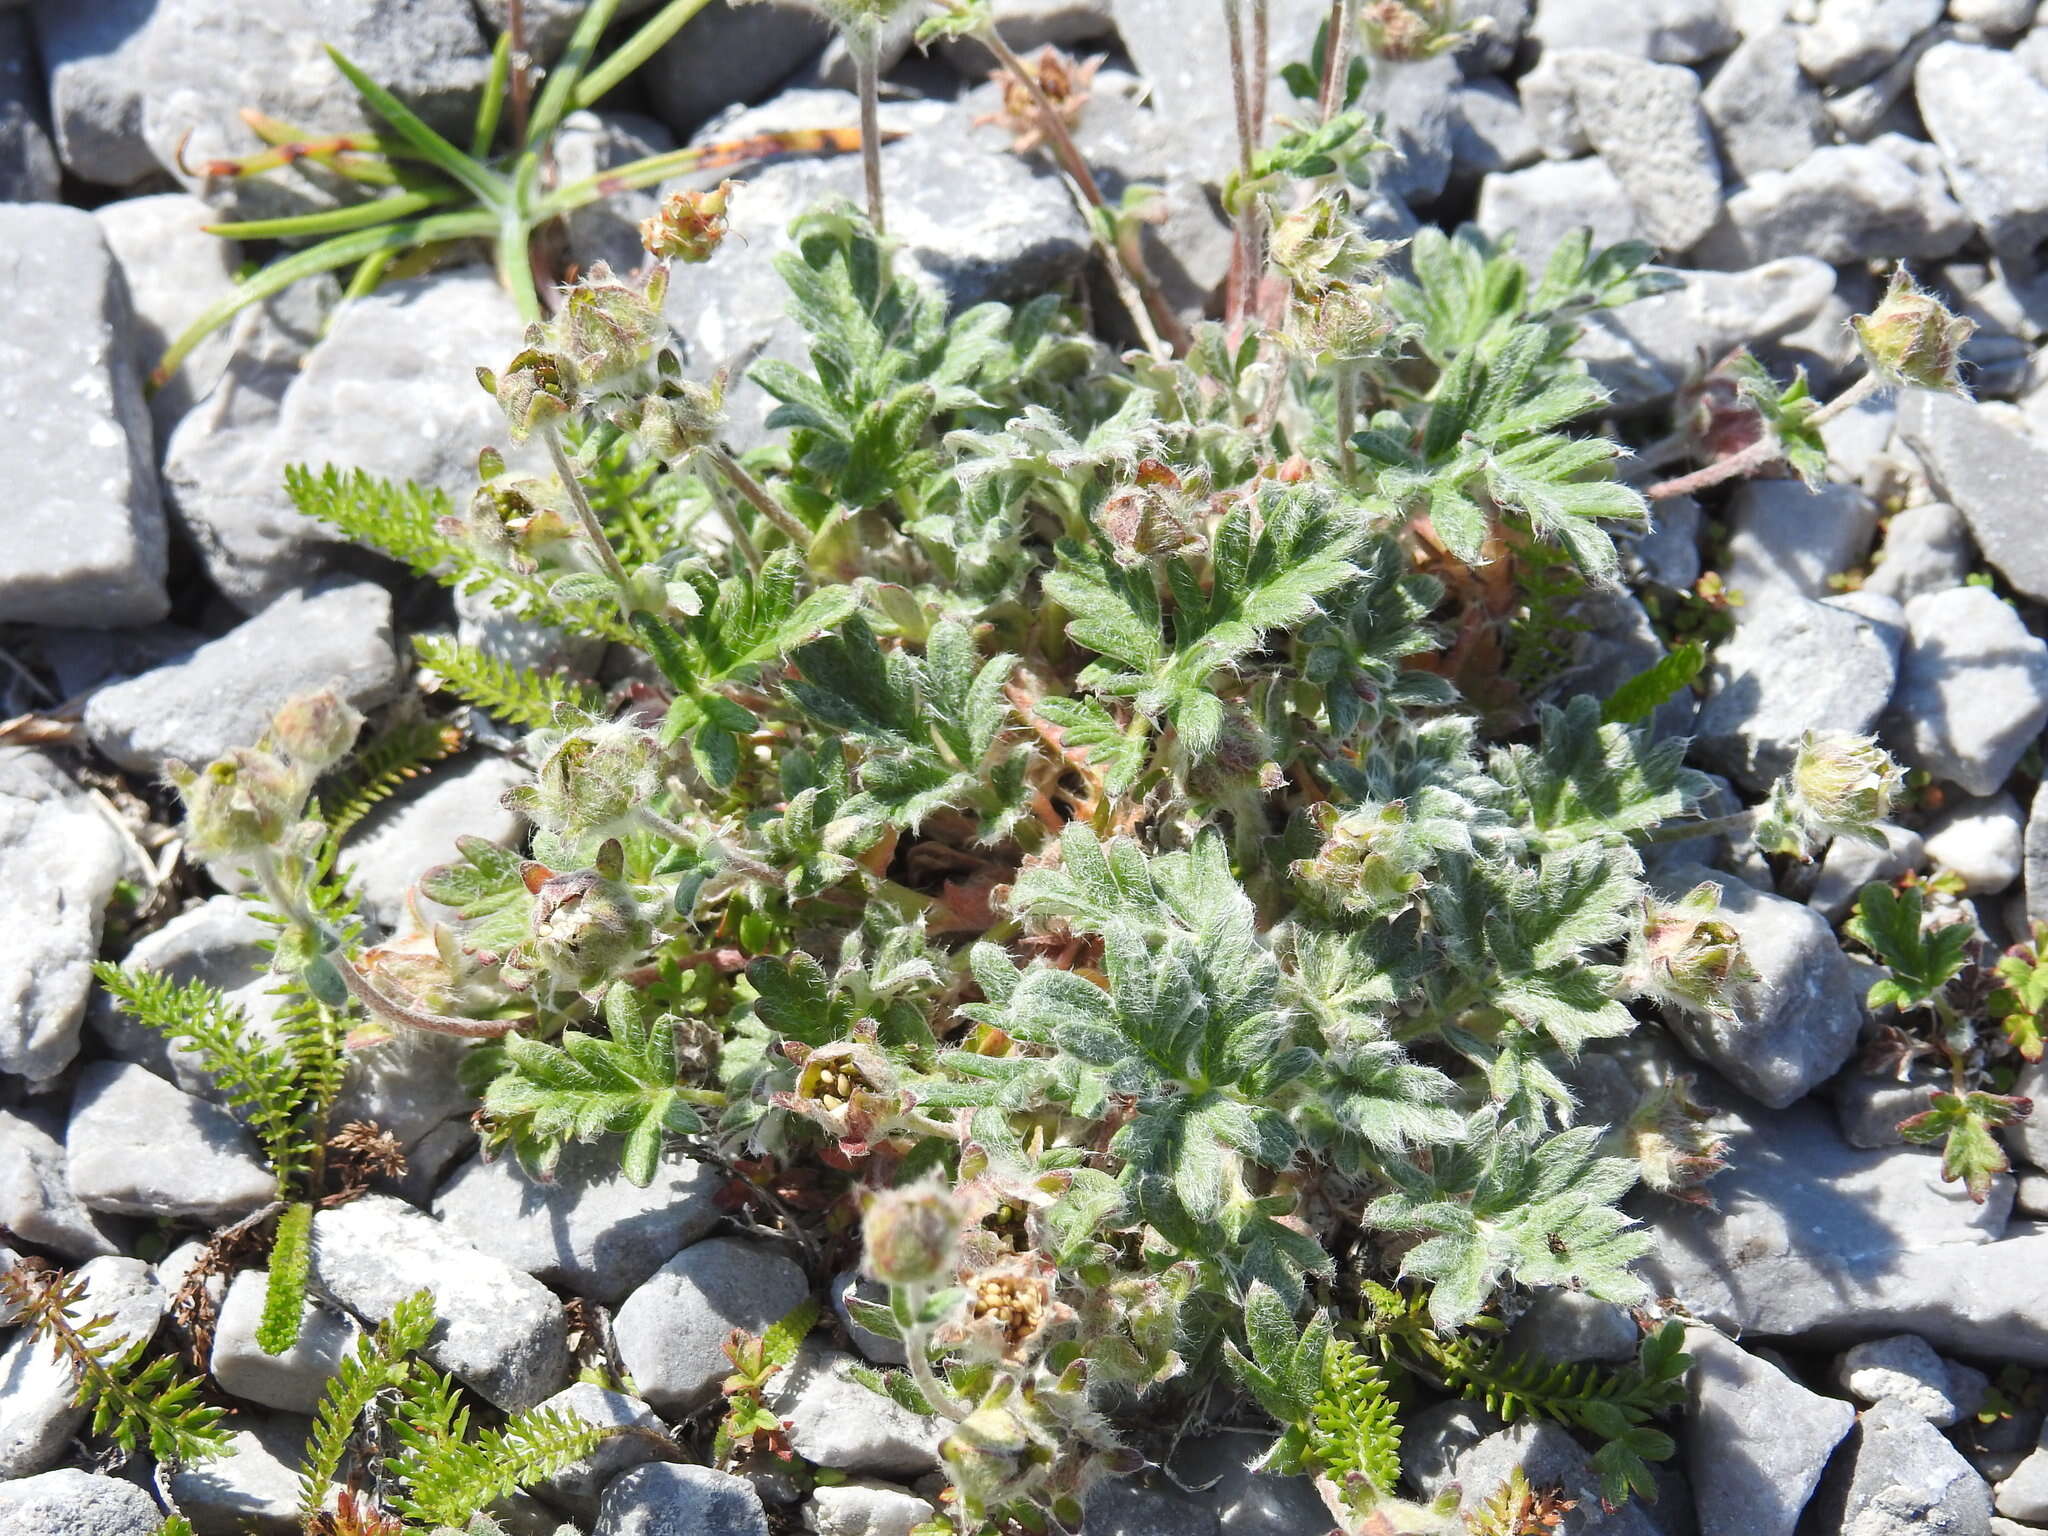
[
  {"x": 1972, "y": 690},
  {"x": 1755, "y": 1438},
  {"x": 86, "y": 542},
  {"x": 138, "y": 1146},
  {"x": 1991, "y": 474},
  {"x": 74, "y": 1503},
  {"x": 224, "y": 694}
]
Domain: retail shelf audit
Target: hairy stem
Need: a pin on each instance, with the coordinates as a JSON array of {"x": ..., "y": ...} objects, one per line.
[
  {"x": 1766, "y": 450},
  {"x": 1336, "y": 59},
  {"x": 381, "y": 1005},
  {"x": 587, "y": 515},
  {"x": 1244, "y": 282},
  {"x": 1739, "y": 824},
  {"x": 867, "y": 48},
  {"x": 757, "y": 496}
]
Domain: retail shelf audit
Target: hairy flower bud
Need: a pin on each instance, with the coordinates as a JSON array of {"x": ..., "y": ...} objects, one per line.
[
  {"x": 537, "y": 391},
  {"x": 316, "y": 730},
  {"x": 1157, "y": 515},
  {"x": 1673, "y": 1147},
  {"x": 1065, "y": 84},
  {"x": 1689, "y": 956},
  {"x": 1348, "y": 323},
  {"x": 609, "y": 332},
  {"x": 1912, "y": 338},
  {"x": 911, "y": 1234},
  {"x": 590, "y": 781},
  {"x": 1841, "y": 785},
  {"x": 689, "y": 225},
  {"x": 1320, "y": 246},
  {"x": 587, "y": 923},
  {"x": 1359, "y": 867},
  {"x": 679, "y": 420},
  {"x": 1399, "y": 30},
  {"x": 241, "y": 801}
]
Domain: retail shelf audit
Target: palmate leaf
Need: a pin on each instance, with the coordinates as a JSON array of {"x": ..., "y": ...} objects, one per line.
[
  {"x": 1787, "y": 411},
  {"x": 1587, "y": 781},
  {"x": 583, "y": 1088},
  {"x": 1168, "y": 662},
  {"x": 1963, "y": 1124},
  {"x": 1919, "y": 961},
  {"x": 2021, "y": 1001}
]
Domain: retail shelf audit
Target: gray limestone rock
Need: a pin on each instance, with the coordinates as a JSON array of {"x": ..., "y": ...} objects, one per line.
[
  {"x": 36, "y": 1202},
  {"x": 1489, "y": 130},
  {"x": 74, "y": 1503},
  {"x": 1550, "y": 1458},
  {"x": 1819, "y": 1241},
  {"x": 1790, "y": 536},
  {"x": 1645, "y": 122},
  {"x": 1972, "y": 691},
  {"x": 730, "y": 53},
  {"x": 1415, "y": 101},
  {"x": 294, "y": 1381},
  {"x": 1850, "y": 864},
  {"x": 173, "y": 270},
  {"x": 1756, "y": 1441},
  {"x": 1980, "y": 840},
  {"x": 589, "y": 144},
  {"x": 501, "y": 1331},
  {"x": 1852, "y": 40},
  {"x": 39, "y": 1410},
  {"x": 2034, "y": 857},
  {"x": 1842, "y": 203},
  {"x": 252, "y": 1490},
  {"x": 670, "y": 1331},
  {"x": 59, "y": 858},
  {"x": 137, "y": 1146},
  {"x": 411, "y": 832},
  {"x": 1795, "y": 1027},
  {"x": 834, "y": 1421},
  {"x": 1897, "y": 1476},
  {"x": 1541, "y": 204},
  {"x": 410, "y": 1086},
  {"x": 1987, "y": 471},
  {"x": 1570, "y": 1326},
  {"x": 2028, "y": 1138},
  {"x": 220, "y": 942},
  {"x": 864, "y": 1507},
  {"x": 1792, "y": 665},
  {"x": 1926, "y": 549},
  {"x": 590, "y": 1231},
  {"x": 1027, "y": 25},
  {"x": 2023, "y": 1493},
  {"x": 1671, "y": 31},
  {"x": 1127, "y": 1506},
  {"x": 93, "y": 60},
  {"x": 851, "y": 1284},
  {"x": 86, "y": 540},
  {"x": 1248, "y": 1502},
  {"x": 550, "y": 23},
  {"x": 1669, "y": 553},
  {"x": 390, "y": 390},
  {"x": 28, "y": 163},
  {"x": 1433, "y": 1439},
  {"x": 1904, "y": 1369},
  {"x": 1766, "y": 113},
  {"x": 667, "y": 1500},
  {"x": 224, "y": 694},
  {"x": 576, "y": 1488},
  {"x": 1869, "y": 1107},
  {"x": 1989, "y": 116}
]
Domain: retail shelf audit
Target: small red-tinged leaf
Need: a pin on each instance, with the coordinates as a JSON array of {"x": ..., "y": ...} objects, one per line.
[{"x": 1963, "y": 1123}]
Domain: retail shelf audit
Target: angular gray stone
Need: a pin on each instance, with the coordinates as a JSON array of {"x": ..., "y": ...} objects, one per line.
[
  {"x": 1787, "y": 535},
  {"x": 293, "y": 1381},
  {"x": 575, "y": 1489},
  {"x": 589, "y": 144},
  {"x": 1796, "y": 1026},
  {"x": 69, "y": 1502},
  {"x": 86, "y": 540},
  {"x": 1905, "y": 1369},
  {"x": 1434, "y": 1438},
  {"x": 1869, "y": 1107},
  {"x": 1842, "y": 203},
  {"x": 1645, "y": 122},
  {"x": 1926, "y": 549},
  {"x": 410, "y": 1086},
  {"x": 1489, "y": 130},
  {"x": 872, "y": 1346},
  {"x": 2028, "y": 1138},
  {"x": 1671, "y": 31},
  {"x": 1817, "y": 1241},
  {"x": 501, "y": 1331},
  {"x": 1994, "y": 16},
  {"x": 220, "y": 942},
  {"x": 1570, "y": 1326},
  {"x": 834, "y": 1421},
  {"x": 864, "y": 1508},
  {"x": 1127, "y": 1506},
  {"x": 94, "y": 61},
  {"x": 252, "y": 1490},
  {"x": 410, "y": 833},
  {"x": 730, "y": 53},
  {"x": 1414, "y": 100},
  {"x": 1897, "y": 1476},
  {"x": 1756, "y": 1441},
  {"x": 2023, "y": 1495},
  {"x": 173, "y": 270},
  {"x": 1550, "y": 1458},
  {"x": 59, "y": 860},
  {"x": 2035, "y": 857},
  {"x": 1767, "y": 115},
  {"x": 36, "y": 1202},
  {"x": 1618, "y": 642},
  {"x": 1851, "y": 40},
  {"x": 668, "y": 1500},
  {"x": 137, "y": 1146},
  {"x": 591, "y": 1231},
  {"x": 1987, "y": 471},
  {"x": 671, "y": 1330},
  {"x": 1791, "y": 665},
  {"x": 28, "y": 163},
  {"x": 39, "y": 1410},
  {"x": 1989, "y": 116},
  {"x": 1850, "y": 864},
  {"x": 1669, "y": 554},
  {"x": 1972, "y": 691},
  {"x": 390, "y": 390},
  {"x": 1978, "y": 839},
  {"x": 1543, "y": 203},
  {"x": 224, "y": 694},
  {"x": 1031, "y": 239},
  {"x": 1248, "y": 1502}
]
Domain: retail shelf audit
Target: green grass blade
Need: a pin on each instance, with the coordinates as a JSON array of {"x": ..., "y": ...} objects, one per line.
[
  {"x": 647, "y": 172},
  {"x": 515, "y": 242},
  {"x": 488, "y": 186},
  {"x": 368, "y": 274},
  {"x": 560, "y": 91},
  {"x": 635, "y": 51},
  {"x": 336, "y": 221},
  {"x": 324, "y": 257},
  {"x": 492, "y": 107}
]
